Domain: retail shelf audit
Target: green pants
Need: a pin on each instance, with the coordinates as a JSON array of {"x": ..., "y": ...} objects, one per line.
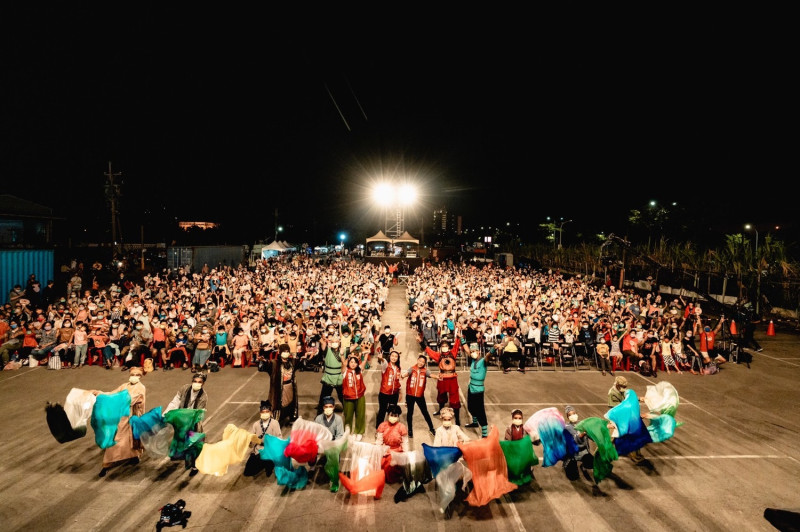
[{"x": 359, "y": 407}]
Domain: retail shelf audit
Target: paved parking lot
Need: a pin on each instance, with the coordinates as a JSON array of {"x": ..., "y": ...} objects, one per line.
[{"x": 735, "y": 455}]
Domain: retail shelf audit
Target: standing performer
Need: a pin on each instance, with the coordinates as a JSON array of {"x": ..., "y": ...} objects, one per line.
[
  {"x": 415, "y": 393},
  {"x": 389, "y": 393},
  {"x": 447, "y": 384},
  {"x": 283, "y": 385},
  {"x": 475, "y": 391},
  {"x": 331, "y": 368},
  {"x": 126, "y": 449},
  {"x": 191, "y": 396},
  {"x": 265, "y": 424},
  {"x": 353, "y": 388}
]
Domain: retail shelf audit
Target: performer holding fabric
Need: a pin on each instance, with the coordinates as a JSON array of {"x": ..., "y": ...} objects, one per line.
[
  {"x": 394, "y": 435},
  {"x": 126, "y": 449},
  {"x": 191, "y": 396},
  {"x": 265, "y": 424},
  {"x": 447, "y": 383}
]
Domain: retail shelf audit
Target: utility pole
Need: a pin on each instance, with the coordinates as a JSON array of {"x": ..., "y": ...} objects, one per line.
[
  {"x": 113, "y": 193},
  {"x": 276, "y": 224}
]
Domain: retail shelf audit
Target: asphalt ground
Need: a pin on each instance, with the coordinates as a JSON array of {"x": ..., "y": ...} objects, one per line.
[{"x": 735, "y": 455}]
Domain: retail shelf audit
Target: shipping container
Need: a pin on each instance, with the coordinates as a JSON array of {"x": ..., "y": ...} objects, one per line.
[
  {"x": 16, "y": 265},
  {"x": 195, "y": 257}
]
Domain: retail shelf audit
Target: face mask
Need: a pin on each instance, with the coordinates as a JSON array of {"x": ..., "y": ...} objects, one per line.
[
  {"x": 447, "y": 424},
  {"x": 47, "y": 328},
  {"x": 196, "y": 386},
  {"x": 474, "y": 354},
  {"x": 284, "y": 356},
  {"x": 707, "y": 329},
  {"x": 13, "y": 325},
  {"x": 393, "y": 419},
  {"x": 334, "y": 345},
  {"x": 573, "y": 418},
  {"x": 263, "y": 331},
  {"x": 328, "y": 411},
  {"x": 265, "y": 415},
  {"x": 67, "y": 324},
  {"x": 134, "y": 379},
  {"x": 688, "y": 335},
  {"x": 138, "y": 327},
  {"x": 516, "y": 422}
]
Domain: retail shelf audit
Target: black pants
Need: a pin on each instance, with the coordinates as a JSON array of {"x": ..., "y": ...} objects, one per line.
[
  {"x": 327, "y": 390},
  {"x": 476, "y": 407},
  {"x": 384, "y": 400},
  {"x": 256, "y": 465},
  {"x": 423, "y": 406},
  {"x": 747, "y": 338},
  {"x": 508, "y": 358}
]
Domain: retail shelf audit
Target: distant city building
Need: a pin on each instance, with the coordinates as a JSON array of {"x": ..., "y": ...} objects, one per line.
[
  {"x": 445, "y": 224},
  {"x": 202, "y": 225}
]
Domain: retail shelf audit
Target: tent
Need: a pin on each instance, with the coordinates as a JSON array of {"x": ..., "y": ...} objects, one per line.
[
  {"x": 409, "y": 244},
  {"x": 273, "y": 249},
  {"x": 381, "y": 243}
]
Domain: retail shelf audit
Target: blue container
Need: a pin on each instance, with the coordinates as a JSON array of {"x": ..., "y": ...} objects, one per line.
[{"x": 16, "y": 265}]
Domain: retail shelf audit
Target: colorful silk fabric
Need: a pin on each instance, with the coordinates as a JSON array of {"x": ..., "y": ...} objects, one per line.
[
  {"x": 304, "y": 440},
  {"x": 108, "y": 410},
  {"x": 151, "y": 421},
  {"x": 487, "y": 463},
  {"x": 440, "y": 458},
  {"x": 557, "y": 443},
  {"x": 633, "y": 435},
  {"x": 520, "y": 459},
  {"x": 597, "y": 430},
  {"x": 215, "y": 458}
]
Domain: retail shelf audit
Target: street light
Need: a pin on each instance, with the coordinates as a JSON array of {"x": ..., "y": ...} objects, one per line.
[
  {"x": 341, "y": 239},
  {"x": 758, "y": 270},
  {"x": 561, "y": 232}
]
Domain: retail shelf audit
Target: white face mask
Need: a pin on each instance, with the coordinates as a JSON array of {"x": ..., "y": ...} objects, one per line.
[
  {"x": 265, "y": 415},
  {"x": 334, "y": 345},
  {"x": 447, "y": 424},
  {"x": 284, "y": 356},
  {"x": 393, "y": 419},
  {"x": 516, "y": 422},
  {"x": 573, "y": 418},
  {"x": 474, "y": 354},
  {"x": 196, "y": 386},
  {"x": 134, "y": 379},
  {"x": 328, "y": 411}
]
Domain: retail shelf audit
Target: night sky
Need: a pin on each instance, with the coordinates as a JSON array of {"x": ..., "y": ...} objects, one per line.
[{"x": 499, "y": 117}]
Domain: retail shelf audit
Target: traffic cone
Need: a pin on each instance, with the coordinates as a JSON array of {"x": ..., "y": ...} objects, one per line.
[
  {"x": 734, "y": 332},
  {"x": 771, "y": 329}
]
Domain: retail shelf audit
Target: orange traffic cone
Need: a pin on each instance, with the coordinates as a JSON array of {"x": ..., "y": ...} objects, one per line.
[
  {"x": 734, "y": 332},
  {"x": 771, "y": 329}
]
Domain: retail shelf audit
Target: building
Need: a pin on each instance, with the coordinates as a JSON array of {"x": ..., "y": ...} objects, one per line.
[
  {"x": 445, "y": 224},
  {"x": 24, "y": 223}
]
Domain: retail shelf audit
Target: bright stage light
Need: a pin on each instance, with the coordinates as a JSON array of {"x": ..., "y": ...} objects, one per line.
[{"x": 383, "y": 194}]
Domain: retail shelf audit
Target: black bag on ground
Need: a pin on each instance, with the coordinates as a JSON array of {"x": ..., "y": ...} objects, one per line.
[{"x": 59, "y": 425}]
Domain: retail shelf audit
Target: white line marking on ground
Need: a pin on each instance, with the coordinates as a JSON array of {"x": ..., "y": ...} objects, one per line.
[
  {"x": 20, "y": 375},
  {"x": 228, "y": 400},
  {"x": 509, "y": 503},
  {"x": 719, "y": 457}
]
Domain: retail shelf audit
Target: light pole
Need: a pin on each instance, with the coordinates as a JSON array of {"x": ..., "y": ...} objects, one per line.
[
  {"x": 758, "y": 270},
  {"x": 561, "y": 232},
  {"x": 341, "y": 239}
]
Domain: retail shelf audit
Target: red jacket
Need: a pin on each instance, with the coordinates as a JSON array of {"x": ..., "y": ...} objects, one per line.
[
  {"x": 390, "y": 380},
  {"x": 417, "y": 379},
  {"x": 353, "y": 386}
]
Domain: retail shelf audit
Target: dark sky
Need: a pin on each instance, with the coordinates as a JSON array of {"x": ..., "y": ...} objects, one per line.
[{"x": 497, "y": 116}]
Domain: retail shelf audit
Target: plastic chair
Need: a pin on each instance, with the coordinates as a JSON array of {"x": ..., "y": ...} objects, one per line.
[
  {"x": 568, "y": 356},
  {"x": 531, "y": 353}
]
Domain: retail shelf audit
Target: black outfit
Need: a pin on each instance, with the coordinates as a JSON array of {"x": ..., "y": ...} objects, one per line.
[
  {"x": 384, "y": 400},
  {"x": 255, "y": 464},
  {"x": 423, "y": 406}
]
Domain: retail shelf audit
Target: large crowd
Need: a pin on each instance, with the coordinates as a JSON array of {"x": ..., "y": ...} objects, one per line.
[{"x": 284, "y": 316}]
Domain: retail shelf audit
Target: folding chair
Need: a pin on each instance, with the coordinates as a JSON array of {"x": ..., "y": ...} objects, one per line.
[
  {"x": 568, "y": 356},
  {"x": 585, "y": 355},
  {"x": 531, "y": 354},
  {"x": 548, "y": 355}
]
